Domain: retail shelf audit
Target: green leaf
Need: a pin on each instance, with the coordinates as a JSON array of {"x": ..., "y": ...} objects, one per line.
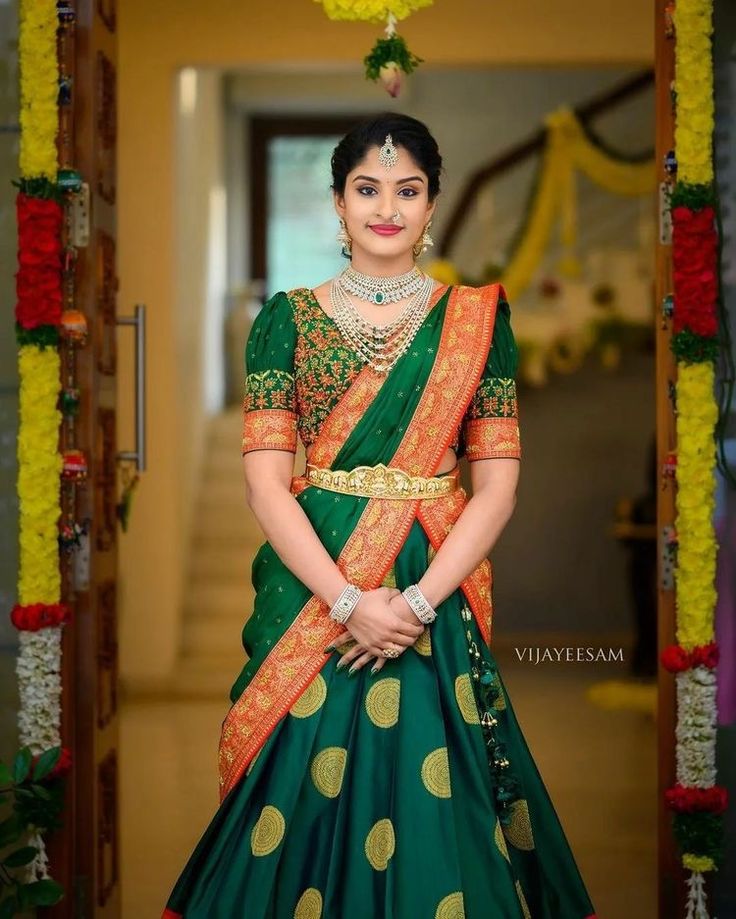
[
  {"x": 20, "y": 857},
  {"x": 46, "y": 762},
  {"x": 10, "y": 830},
  {"x": 22, "y": 764},
  {"x": 5, "y": 777},
  {"x": 42, "y": 893},
  {"x": 40, "y": 791}
]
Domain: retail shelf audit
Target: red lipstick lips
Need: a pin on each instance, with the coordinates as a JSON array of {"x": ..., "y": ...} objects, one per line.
[{"x": 386, "y": 229}]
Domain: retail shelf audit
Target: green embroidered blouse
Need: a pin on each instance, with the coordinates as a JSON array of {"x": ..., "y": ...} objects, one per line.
[{"x": 298, "y": 365}]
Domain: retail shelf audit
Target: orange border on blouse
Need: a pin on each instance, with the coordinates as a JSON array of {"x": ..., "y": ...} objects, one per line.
[{"x": 372, "y": 547}]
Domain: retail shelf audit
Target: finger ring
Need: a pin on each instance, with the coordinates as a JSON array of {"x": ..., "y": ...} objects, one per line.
[{"x": 390, "y": 652}]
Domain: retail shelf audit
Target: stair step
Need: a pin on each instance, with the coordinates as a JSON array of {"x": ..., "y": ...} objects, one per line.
[{"x": 213, "y": 636}]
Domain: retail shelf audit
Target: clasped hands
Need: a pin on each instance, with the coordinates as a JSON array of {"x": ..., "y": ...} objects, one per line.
[{"x": 381, "y": 619}]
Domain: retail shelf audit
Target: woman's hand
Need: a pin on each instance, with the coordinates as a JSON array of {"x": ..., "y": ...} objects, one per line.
[{"x": 379, "y": 620}]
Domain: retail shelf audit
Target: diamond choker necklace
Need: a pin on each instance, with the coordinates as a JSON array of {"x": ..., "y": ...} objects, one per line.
[{"x": 381, "y": 289}]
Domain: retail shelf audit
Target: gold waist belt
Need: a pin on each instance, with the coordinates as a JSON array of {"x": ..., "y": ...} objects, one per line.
[{"x": 383, "y": 482}]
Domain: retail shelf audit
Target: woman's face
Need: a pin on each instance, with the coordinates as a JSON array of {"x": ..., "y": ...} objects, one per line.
[{"x": 372, "y": 196}]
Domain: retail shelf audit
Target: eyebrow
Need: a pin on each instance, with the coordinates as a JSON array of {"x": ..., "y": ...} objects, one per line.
[{"x": 398, "y": 181}]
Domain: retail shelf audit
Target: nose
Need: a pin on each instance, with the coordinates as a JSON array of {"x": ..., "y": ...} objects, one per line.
[{"x": 386, "y": 208}]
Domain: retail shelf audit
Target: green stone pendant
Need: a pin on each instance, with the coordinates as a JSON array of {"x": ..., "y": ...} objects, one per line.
[{"x": 378, "y": 297}]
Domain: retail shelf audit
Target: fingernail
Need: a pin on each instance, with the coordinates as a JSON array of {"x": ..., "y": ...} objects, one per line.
[
  {"x": 352, "y": 672},
  {"x": 374, "y": 671},
  {"x": 340, "y": 663},
  {"x": 329, "y": 648}
]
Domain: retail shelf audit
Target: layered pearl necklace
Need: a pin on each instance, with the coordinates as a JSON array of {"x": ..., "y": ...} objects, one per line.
[{"x": 380, "y": 346}]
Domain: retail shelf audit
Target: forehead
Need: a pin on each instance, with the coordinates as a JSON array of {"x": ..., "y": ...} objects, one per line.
[{"x": 405, "y": 166}]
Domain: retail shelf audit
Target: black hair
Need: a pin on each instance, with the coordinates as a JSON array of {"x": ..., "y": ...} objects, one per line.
[{"x": 405, "y": 131}]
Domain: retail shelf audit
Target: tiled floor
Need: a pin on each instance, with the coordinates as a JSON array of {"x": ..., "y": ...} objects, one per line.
[{"x": 599, "y": 767}]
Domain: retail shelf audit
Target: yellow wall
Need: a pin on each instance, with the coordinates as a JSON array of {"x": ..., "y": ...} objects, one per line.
[{"x": 156, "y": 39}]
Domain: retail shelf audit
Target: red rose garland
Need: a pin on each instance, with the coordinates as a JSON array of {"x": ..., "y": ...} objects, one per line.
[{"x": 38, "y": 279}]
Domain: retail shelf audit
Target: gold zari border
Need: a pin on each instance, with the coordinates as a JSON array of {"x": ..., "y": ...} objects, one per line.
[
  {"x": 269, "y": 428},
  {"x": 491, "y": 437}
]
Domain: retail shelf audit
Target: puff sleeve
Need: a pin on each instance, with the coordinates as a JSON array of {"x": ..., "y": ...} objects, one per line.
[
  {"x": 269, "y": 401},
  {"x": 490, "y": 426}
]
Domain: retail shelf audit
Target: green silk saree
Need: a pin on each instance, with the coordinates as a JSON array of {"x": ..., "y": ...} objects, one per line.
[{"x": 410, "y": 794}]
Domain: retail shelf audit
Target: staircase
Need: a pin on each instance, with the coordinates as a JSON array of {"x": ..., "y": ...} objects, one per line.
[{"x": 218, "y": 596}]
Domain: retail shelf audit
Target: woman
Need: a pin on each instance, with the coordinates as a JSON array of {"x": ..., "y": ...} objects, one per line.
[{"x": 404, "y": 790}]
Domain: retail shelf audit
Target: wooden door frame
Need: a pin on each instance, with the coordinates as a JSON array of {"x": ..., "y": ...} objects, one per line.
[{"x": 259, "y": 130}]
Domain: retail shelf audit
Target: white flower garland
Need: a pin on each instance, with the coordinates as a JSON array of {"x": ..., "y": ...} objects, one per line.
[
  {"x": 38, "y": 668},
  {"x": 695, "y": 750}
]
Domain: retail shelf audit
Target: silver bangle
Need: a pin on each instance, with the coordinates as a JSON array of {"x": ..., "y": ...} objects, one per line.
[
  {"x": 346, "y": 603},
  {"x": 419, "y": 603}
]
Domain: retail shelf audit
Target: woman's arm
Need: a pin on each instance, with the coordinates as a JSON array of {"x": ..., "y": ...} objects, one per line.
[
  {"x": 373, "y": 623},
  {"x": 476, "y": 530},
  {"x": 268, "y": 476}
]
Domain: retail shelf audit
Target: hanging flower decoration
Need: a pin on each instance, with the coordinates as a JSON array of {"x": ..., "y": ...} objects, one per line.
[
  {"x": 39, "y": 615},
  {"x": 390, "y": 57},
  {"x": 568, "y": 150},
  {"x": 695, "y": 799},
  {"x": 389, "y": 60}
]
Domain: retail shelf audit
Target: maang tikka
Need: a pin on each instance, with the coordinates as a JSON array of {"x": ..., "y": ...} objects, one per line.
[{"x": 388, "y": 155}]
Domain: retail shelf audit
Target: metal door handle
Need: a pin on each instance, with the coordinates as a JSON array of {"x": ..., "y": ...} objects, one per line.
[{"x": 139, "y": 321}]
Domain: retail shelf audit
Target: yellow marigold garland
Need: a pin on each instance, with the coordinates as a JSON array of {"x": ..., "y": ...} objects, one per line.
[
  {"x": 694, "y": 87},
  {"x": 371, "y": 10},
  {"x": 39, "y": 75},
  {"x": 39, "y": 468},
  {"x": 695, "y": 502},
  {"x": 568, "y": 148}
]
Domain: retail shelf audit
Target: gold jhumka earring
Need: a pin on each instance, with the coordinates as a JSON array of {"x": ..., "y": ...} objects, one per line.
[
  {"x": 425, "y": 241},
  {"x": 345, "y": 239}
]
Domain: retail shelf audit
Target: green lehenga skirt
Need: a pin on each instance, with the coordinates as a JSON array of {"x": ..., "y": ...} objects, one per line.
[{"x": 410, "y": 794}]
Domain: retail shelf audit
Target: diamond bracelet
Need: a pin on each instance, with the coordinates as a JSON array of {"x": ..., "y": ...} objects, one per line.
[
  {"x": 345, "y": 603},
  {"x": 419, "y": 603}
]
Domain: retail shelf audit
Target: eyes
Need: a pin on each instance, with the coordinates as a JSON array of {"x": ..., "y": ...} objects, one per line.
[{"x": 413, "y": 192}]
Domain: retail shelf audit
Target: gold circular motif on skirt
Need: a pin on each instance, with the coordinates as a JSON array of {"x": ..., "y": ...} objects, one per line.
[
  {"x": 500, "y": 840},
  {"x": 268, "y": 831},
  {"x": 451, "y": 906},
  {"x": 309, "y": 905},
  {"x": 328, "y": 768},
  {"x": 423, "y": 644},
  {"x": 311, "y": 699},
  {"x": 466, "y": 699},
  {"x": 382, "y": 702},
  {"x": 519, "y": 830},
  {"x": 436, "y": 773},
  {"x": 380, "y": 844},
  {"x": 522, "y": 900}
]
